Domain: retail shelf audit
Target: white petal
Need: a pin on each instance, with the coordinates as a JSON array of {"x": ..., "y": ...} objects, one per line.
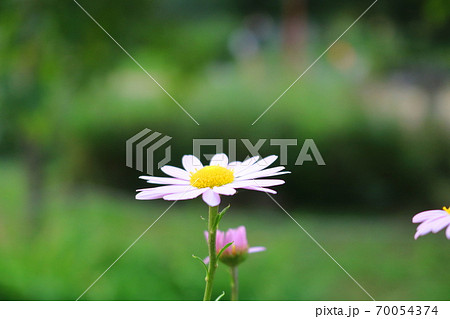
[
  {"x": 233, "y": 165},
  {"x": 191, "y": 163},
  {"x": 169, "y": 189},
  {"x": 429, "y": 214},
  {"x": 421, "y": 231},
  {"x": 239, "y": 167},
  {"x": 256, "y": 183},
  {"x": 159, "y": 192},
  {"x": 260, "y": 189},
  {"x": 224, "y": 190},
  {"x": 176, "y": 172},
  {"x": 257, "y": 249},
  {"x": 266, "y": 161},
  {"x": 211, "y": 198},
  {"x": 148, "y": 196},
  {"x": 440, "y": 224},
  {"x": 429, "y": 223},
  {"x": 427, "y": 226},
  {"x": 264, "y": 173},
  {"x": 185, "y": 195},
  {"x": 220, "y": 159},
  {"x": 258, "y": 166},
  {"x": 165, "y": 180}
]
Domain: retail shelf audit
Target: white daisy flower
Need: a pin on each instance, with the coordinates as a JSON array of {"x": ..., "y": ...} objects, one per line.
[{"x": 218, "y": 178}]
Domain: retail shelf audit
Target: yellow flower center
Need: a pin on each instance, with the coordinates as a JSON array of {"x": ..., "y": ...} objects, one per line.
[
  {"x": 210, "y": 176},
  {"x": 446, "y": 209}
]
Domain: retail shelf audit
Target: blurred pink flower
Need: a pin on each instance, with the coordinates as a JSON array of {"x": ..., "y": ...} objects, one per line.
[
  {"x": 237, "y": 252},
  {"x": 432, "y": 221},
  {"x": 219, "y": 178}
]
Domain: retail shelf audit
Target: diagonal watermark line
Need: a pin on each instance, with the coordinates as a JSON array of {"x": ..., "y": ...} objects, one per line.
[
  {"x": 125, "y": 251},
  {"x": 317, "y": 243},
  {"x": 312, "y": 64},
  {"x": 137, "y": 63}
]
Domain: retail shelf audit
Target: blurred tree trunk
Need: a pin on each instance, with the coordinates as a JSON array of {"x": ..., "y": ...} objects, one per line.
[
  {"x": 294, "y": 31},
  {"x": 31, "y": 38}
]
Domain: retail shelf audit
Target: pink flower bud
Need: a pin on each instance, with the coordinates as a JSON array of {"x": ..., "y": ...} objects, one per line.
[{"x": 238, "y": 250}]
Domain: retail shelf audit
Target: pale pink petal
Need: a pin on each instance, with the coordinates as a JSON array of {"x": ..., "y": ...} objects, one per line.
[
  {"x": 257, "y": 249},
  {"x": 260, "y": 189},
  {"x": 206, "y": 260},
  {"x": 258, "y": 166},
  {"x": 240, "y": 238},
  {"x": 423, "y": 229},
  {"x": 191, "y": 163},
  {"x": 211, "y": 198},
  {"x": 427, "y": 224},
  {"x": 239, "y": 167},
  {"x": 447, "y": 232},
  {"x": 168, "y": 189},
  {"x": 176, "y": 172},
  {"x": 224, "y": 190},
  {"x": 219, "y": 160},
  {"x": 230, "y": 238},
  {"x": 185, "y": 195},
  {"x": 267, "y": 161},
  {"x": 160, "y": 192},
  {"x": 148, "y": 196},
  {"x": 264, "y": 173},
  {"x": 256, "y": 183},
  {"x": 164, "y": 180},
  {"x": 432, "y": 220},
  {"x": 220, "y": 237},
  {"x": 440, "y": 223},
  {"x": 420, "y": 217}
]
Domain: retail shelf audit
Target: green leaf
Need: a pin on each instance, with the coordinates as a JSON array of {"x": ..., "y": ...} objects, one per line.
[
  {"x": 201, "y": 260},
  {"x": 223, "y": 249},
  {"x": 220, "y": 216},
  {"x": 221, "y": 295}
]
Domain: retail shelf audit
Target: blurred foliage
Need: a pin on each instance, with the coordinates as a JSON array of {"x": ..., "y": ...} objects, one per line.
[
  {"x": 69, "y": 89},
  {"x": 70, "y": 98}
]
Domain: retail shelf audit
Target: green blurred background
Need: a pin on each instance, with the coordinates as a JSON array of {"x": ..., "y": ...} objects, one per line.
[{"x": 377, "y": 106}]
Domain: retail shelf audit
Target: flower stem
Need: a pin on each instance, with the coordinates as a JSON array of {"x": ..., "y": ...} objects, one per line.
[
  {"x": 212, "y": 266},
  {"x": 234, "y": 284}
]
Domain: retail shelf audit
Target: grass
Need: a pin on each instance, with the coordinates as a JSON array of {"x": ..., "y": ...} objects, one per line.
[{"x": 85, "y": 230}]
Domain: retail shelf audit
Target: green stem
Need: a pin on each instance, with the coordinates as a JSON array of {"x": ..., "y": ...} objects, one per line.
[
  {"x": 234, "y": 284},
  {"x": 212, "y": 266}
]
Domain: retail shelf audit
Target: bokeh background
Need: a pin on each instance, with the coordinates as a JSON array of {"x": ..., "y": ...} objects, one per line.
[{"x": 377, "y": 106}]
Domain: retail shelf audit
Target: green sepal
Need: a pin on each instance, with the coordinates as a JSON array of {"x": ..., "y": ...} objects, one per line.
[
  {"x": 233, "y": 260},
  {"x": 223, "y": 249}
]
